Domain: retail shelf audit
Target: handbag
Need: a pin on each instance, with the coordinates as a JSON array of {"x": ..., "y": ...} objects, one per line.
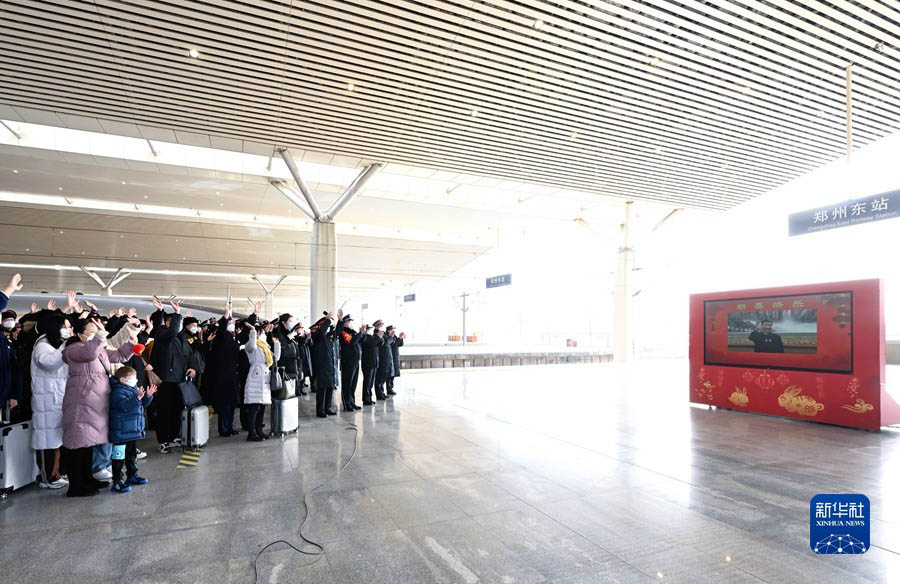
[
  {"x": 276, "y": 383},
  {"x": 189, "y": 393}
]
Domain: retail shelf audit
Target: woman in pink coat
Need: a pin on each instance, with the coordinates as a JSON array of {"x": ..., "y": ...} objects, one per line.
[{"x": 86, "y": 403}]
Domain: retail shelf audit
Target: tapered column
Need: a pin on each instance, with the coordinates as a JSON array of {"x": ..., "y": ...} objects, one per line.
[
  {"x": 323, "y": 279},
  {"x": 622, "y": 346}
]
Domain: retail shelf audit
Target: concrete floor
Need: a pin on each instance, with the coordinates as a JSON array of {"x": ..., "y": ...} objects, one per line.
[{"x": 561, "y": 473}]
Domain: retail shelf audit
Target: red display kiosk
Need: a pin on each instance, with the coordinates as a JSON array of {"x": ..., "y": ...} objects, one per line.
[{"x": 812, "y": 352}]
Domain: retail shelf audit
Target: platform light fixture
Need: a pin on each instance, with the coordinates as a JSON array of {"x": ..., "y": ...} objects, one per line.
[
  {"x": 538, "y": 24},
  {"x": 654, "y": 61},
  {"x": 474, "y": 112},
  {"x": 15, "y": 171},
  {"x": 194, "y": 53},
  {"x": 351, "y": 87}
]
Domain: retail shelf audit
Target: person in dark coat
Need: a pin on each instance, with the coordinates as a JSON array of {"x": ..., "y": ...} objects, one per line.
[
  {"x": 242, "y": 335},
  {"x": 323, "y": 364},
  {"x": 303, "y": 347},
  {"x": 222, "y": 374},
  {"x": 170, "y": 361},
  {"x": 290, "y": 361},
  {"x": 370, "y": 344},
  {"x": 127, "y": 401},
  {"x": 10, "y": 377},
  {"x": 385, "y": 364},
  {"x": 395, "y": 355},
  {"x": 351, "y": 351}
]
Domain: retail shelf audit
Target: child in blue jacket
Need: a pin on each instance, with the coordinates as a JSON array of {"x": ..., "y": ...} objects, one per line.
[{"x": 126, "y": 426}]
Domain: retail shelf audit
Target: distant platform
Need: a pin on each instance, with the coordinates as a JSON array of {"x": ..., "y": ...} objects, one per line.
[{"x": 450, "y": 358}]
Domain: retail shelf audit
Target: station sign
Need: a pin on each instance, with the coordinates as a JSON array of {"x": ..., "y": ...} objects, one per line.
[
  {"x": 497, "y": 281},
  {"x": 365, "y": 306},
  {"x": 855, "y": 212},
  {"x": 409, "y": 298}
]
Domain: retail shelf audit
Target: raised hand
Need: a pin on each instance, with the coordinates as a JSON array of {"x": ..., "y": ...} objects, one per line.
[
  {"x": 140, "y": 392},
  {"x": 101, "y": 330},
  {"x": 151, "y": 390},
  {"x": 189, "y": 314},
  {"x": 34, "y": 307},
  {"x": 257, "y": 307},
  {"x": 14, "y": 285},
  {"x": 51, "y": 305},
  {"x": 228, "y": 311},
  {"x": 72, "y": 302},
  {"x": 157, "y": 303},
  {"x": 120, "y": 311},
  {"x": 90, "y": 305},
  {"x": 132, "y": 312},
  {"x": 402, "y": 335},
  {"x": 111, "y": 313},
  {"x": 176, "y": 306}
]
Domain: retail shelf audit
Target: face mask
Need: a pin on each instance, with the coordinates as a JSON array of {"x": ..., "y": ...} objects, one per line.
[
  {"x": 9, "y": 323},
  {"x": 88, "y": 338},
  {"x": 130, "y": 381},
  {"x": 263, "y": 338},
  {"x": 65, "y": 333},
  {"x": 291, "y": 323},
  {"x": 230, "y": 327},
  {"x": 193, "y": 330}
]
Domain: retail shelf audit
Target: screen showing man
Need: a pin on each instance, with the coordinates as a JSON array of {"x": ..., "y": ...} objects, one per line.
[
  {"x": 764, "y": 340},
  {"x": 779, "y": 331}
]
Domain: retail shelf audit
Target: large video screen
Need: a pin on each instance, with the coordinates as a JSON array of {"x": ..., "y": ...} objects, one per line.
[{"x": 811, "y": 332}]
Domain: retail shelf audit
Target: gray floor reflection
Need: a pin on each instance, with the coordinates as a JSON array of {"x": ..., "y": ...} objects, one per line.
[{"x": 561, "y": 473}]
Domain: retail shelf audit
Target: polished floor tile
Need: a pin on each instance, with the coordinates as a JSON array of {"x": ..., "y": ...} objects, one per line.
[{"x": 469, "y": 477}]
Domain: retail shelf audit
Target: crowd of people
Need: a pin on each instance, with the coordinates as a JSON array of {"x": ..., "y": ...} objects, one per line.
[{"x": 92, "y": 383}]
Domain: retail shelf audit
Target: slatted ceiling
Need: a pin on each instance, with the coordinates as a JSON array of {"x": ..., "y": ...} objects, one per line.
[{"x": 678, "y": 130}]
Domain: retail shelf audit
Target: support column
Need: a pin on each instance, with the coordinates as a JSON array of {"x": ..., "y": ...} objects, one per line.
[
  {"x": 323, "y": 279},
  {"x": 622, "y": 349}
]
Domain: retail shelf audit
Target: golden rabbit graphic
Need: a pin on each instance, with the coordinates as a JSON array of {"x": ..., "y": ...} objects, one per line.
[
  {"x": 740, "y": 397},
  {"x": 793, "y": 402}
]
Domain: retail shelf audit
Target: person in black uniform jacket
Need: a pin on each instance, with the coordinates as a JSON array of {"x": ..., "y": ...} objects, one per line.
[
  {"x": 395, "y": 354},
  {"x": 385, "y": 364},
  {"x": 764, "y": 340},
  {"x": 369, "y": 343},
  {"x": 323, "y": 364},
  {"x": 351, "y": 351},
  {"x": 222, "y": 373},
  {"x": 290, "y": 361}
]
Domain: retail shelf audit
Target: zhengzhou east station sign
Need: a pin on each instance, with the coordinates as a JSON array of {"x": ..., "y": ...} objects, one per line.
[{"x": 855, "y": 212}]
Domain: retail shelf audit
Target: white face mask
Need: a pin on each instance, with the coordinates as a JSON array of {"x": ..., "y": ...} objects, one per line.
[
  {"x": 230, "y": 327},
  {"x": 130, "y": 381},
  {"x": 88, "y": 338},
  {"x": 9, "y": 323},
  {"x": 65, "y": 333},
  {"x": 193, "y": 330}
]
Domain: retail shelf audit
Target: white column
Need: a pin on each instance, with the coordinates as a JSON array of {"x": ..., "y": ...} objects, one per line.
[
  {"x": 323, "y": 279},
  {"x": 622, "y": 349}
]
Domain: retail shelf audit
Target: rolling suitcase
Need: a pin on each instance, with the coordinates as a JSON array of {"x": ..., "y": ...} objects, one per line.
[
  {"x": 194, "y": 427},
  {"x": 18, "y": 466},
  {"x": 285, "y": 415}
]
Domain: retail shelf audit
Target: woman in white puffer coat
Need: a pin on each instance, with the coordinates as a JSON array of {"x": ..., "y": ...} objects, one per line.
[
  {"x": 257, "y": 392},
  {"x": 49, "y": 374}
]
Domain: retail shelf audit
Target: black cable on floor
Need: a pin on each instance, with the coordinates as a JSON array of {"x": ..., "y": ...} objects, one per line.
[{"x": 320, "y": 551}]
